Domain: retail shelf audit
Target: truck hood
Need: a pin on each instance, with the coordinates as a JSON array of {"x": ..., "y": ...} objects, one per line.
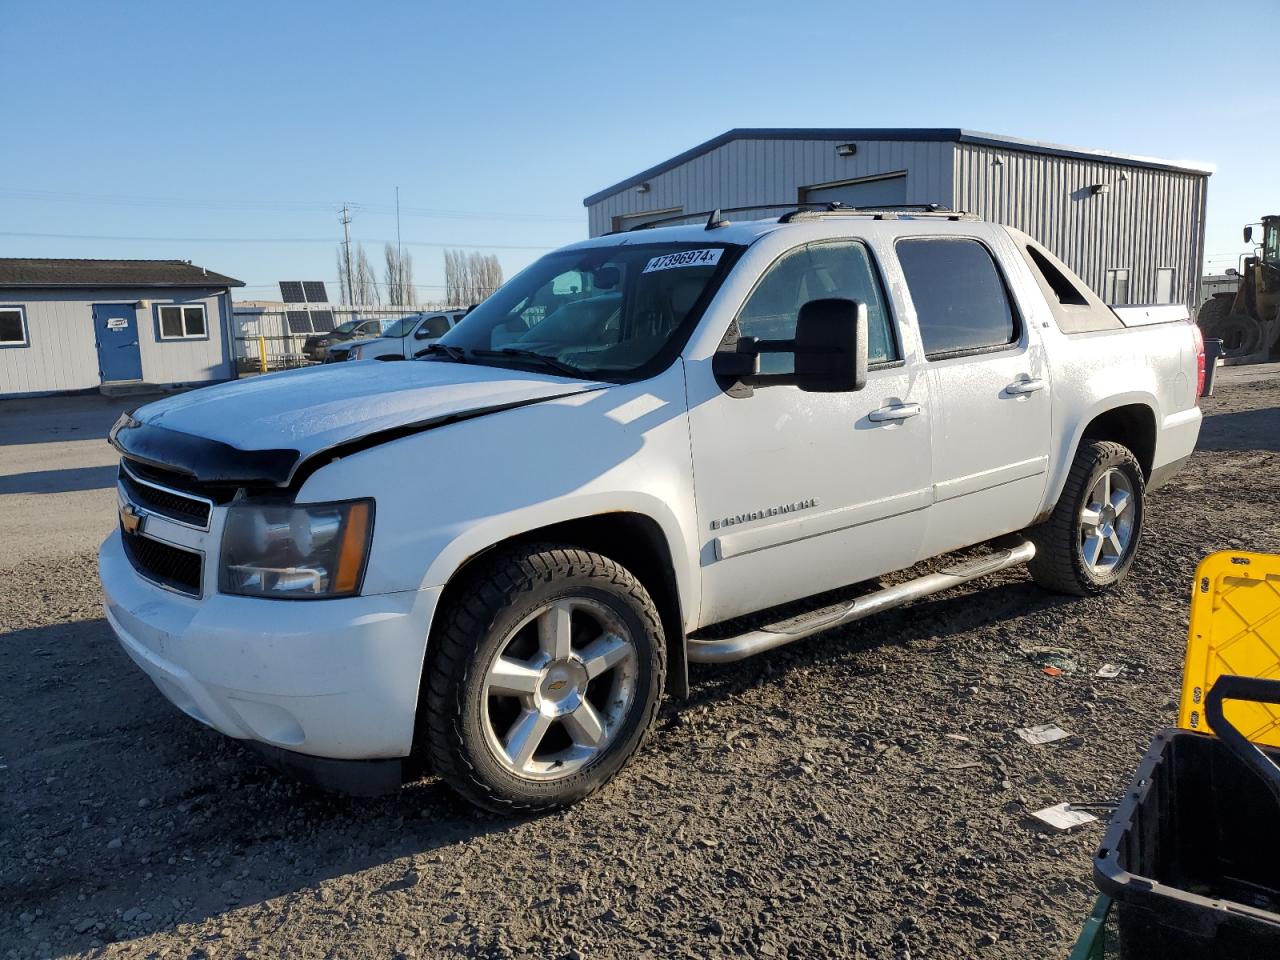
[{"x": 262, "y": 431}]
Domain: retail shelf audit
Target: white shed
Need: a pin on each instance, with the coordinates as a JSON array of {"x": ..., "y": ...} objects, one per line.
[{"x": 73, "y": 325}]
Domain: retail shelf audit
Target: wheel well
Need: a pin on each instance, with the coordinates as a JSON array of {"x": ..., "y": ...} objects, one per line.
[
  {"x": 1133, "y": 425},
  {"x": 631, "y": 539}
]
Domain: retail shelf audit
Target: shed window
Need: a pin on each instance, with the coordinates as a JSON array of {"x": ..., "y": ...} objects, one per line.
[
  {"x": 1164, "y": 285},
  {"x": 185, "y": 322},
  {"x": 13, "y": 327},
  {"x": 1116, "y": 291}
]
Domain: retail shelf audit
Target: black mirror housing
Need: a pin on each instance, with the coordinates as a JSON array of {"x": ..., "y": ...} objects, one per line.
[
  {"x": 1248, "y": 234},
  {"x": 830, "y": 350},
  {"x": 831, "y": 346}
]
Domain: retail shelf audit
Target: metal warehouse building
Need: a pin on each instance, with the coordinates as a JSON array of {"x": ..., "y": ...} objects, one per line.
[
  {"x": 1131, "y": 227},
  {"x": 70, "y": 325}
]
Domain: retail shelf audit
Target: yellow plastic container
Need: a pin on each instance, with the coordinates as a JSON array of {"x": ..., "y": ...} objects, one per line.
[{"x": 1235, "y": 628}]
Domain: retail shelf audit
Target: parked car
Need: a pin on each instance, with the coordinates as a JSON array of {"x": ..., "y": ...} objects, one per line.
[
  {"x": 494, "y": 561},
  {"x": 313, "y": 348},
  {"x": 407, "y": 338}
]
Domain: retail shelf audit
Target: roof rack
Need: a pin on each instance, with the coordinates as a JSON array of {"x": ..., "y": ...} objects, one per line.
[
  {"x": 715, "y": 215},
  {"x": 806, "y": 210},
  {"x": 880, "y": 211}
]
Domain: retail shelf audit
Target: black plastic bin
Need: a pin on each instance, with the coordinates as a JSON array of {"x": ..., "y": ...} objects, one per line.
[{"x": 1192, "y": 855}]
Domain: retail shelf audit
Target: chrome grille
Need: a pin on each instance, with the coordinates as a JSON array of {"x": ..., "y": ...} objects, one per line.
[{"x": 176, "y": 505}]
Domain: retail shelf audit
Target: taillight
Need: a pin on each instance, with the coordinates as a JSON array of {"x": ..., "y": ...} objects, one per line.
[{"x": 1200, "y": 364}]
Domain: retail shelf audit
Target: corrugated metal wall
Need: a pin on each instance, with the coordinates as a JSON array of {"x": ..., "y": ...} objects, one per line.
[
  {"x": 62, "y": 352},
  {"x": 773, "y": 171},
  {"x": 1148, "y": 219}
]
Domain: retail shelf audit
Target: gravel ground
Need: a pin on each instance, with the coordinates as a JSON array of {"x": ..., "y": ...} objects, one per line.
[{"x": 861, "y": 794}]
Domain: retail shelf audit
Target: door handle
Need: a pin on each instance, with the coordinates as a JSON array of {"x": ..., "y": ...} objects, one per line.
[
  {"x": 1022, "y": 387},
  {"x": 901, "y": 411}
]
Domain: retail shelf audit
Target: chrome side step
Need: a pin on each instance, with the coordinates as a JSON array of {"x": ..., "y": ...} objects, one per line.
[{"x": 748, "y": 644}]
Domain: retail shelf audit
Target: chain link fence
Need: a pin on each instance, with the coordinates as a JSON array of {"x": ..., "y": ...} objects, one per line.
[{"x": 276, "y": 339}]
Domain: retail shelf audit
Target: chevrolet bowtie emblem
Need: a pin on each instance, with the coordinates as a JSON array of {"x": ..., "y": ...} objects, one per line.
[
  {"x": 557, "y": 685},
  {"x": 130, "y": 519}
]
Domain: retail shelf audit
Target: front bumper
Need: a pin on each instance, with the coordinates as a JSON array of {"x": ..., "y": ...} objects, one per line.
[{"x": 326, "y": 678}]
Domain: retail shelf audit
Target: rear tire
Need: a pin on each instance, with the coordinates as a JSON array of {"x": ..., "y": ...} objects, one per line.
[
  {"x": 1088, "y": 543},
  {"x": 543, "y": 679}
]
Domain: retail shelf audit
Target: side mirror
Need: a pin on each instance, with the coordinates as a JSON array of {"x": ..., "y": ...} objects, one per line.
[
  {"x": 831, "y": 346},
  {"x": 1248, "y": 234},
  {"x": 830, "y": 351}
]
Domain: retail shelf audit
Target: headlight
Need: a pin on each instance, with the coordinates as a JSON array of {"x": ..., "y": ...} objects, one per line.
[{"x": 296, "y": 552}]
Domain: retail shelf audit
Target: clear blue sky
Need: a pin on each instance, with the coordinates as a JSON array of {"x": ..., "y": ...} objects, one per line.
[{"x": 251, "y": 122}]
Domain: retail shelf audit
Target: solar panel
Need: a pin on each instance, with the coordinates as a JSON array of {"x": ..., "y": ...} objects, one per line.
[
  {"x": 321, "y": 321},
  {"x": 315, "y": 291},
  {"x": 299, "y": 320},
  {"x": 291, "y": 291}
]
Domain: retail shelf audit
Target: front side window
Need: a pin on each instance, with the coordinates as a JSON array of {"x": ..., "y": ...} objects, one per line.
[
  {"x": 961, "y": 302},
  {"x": 13, "y": 327},
  {"x": 816, "y": 271},
  {"x": 182, "y": 322},
  {"x": 433, "y": 328},
  {"x": 614, "y": 312}
]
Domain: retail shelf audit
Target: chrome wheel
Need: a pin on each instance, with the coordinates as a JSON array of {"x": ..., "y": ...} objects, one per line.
[
  {"x": 559, "y": 689},
  {"x": 1107, "y": 522}
]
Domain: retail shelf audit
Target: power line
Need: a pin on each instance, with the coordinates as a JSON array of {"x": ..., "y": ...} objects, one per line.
[
  {"x": 205, "y": 203},
  {"x": 407, "y": 243}
]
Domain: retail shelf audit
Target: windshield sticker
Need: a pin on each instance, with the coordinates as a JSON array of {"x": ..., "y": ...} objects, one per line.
[{"x": 685, "y": 258}]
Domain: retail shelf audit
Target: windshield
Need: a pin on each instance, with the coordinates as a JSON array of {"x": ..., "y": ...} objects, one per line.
[
  {"x": 613, "y": 312},
  {"x": 402, "y": 327},
  {"x": 346, "y": 327}
]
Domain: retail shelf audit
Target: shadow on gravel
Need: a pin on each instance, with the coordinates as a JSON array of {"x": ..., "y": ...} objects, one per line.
[
  {"x": 121, "y": 807},
  {"x": 1244, "y": 430},
  {"x": 68, "y": 480}
]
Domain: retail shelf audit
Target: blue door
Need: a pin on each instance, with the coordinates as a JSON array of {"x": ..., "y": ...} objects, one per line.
[{"x": 115, "y": 325}]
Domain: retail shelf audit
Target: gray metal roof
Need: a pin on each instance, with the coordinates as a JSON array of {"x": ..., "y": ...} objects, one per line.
[
  {"x": 852, "y": 134},
  {"x": 28, "y": 272}
]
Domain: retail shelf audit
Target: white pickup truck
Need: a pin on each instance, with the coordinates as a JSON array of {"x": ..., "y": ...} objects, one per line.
[
  {"x": 492, "y": 562},
  {"x": 405, "y": 339}
]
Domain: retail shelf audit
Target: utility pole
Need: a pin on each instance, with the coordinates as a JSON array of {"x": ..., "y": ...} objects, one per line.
[
  {"x": 399, "y": 255},
  {"x": 346, "y": 240}
]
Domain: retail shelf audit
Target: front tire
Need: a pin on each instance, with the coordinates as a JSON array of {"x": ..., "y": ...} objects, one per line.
[
  {"x": 543, "y": 679},
  {"x": 1087, "y": 545}
]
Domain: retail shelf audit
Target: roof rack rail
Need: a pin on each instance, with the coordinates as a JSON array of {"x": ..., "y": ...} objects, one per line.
[
  {"x": 803, "y": 210},
  {"x": 705, "y": 215},
  {"x": 880, "y": 211}
]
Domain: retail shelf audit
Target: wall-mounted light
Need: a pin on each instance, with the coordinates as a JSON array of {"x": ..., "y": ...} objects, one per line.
[
  {"x": 1124, "y": 177},
  {"x": 642, "y": 188},
  {"x": 1098, "y": 188},
  {"x": 998, "y": 162},
  {"x": 846, "y": 149}
]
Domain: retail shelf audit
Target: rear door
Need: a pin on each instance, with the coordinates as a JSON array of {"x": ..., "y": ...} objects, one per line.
[
  {"x": 990, "y": 388},
  {"x": 802, "y": 492}
]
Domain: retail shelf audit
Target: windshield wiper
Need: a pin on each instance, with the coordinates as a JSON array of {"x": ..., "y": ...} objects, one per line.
[
  {"x": 456, "y": 354},
  {"x": 551, "y": 363}
]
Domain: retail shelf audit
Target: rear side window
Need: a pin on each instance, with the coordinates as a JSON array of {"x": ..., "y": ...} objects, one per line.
[
  {"x": 961, "y": 302},
  {"x": 815, "y": 272}
]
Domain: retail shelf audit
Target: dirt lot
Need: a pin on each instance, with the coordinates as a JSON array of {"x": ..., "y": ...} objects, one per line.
[{"x": 861, "y": 794}]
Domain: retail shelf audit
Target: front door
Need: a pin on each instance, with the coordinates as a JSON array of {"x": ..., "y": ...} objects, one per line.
[
  {"x": 115, "y": 326},
  {"x": 798, "y": 492}
]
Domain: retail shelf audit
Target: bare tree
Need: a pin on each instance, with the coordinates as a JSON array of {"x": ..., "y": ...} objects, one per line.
[
  {"x": 363, "y": 280},
  {"x": 399, "y": 278},
  {"x": 469, "y": 278}
]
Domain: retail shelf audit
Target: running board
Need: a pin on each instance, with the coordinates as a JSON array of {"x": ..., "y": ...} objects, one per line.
[{"x": 797, "y": 628}]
